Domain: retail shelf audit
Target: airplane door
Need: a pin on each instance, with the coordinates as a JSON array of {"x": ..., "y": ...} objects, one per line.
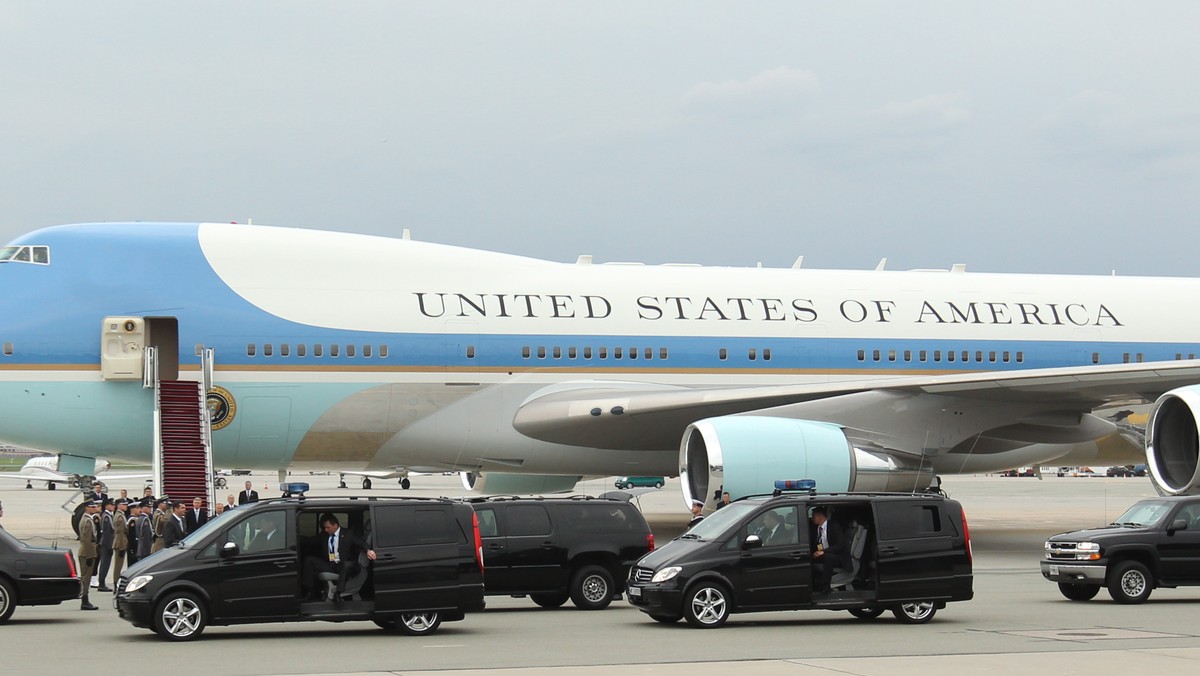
[
  {"x": 263, "y": 434},
  {"x": 163, "y": 333}
]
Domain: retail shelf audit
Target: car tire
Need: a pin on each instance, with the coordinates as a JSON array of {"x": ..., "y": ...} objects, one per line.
[
  {"x": 591, "y": 588},
  {"x": 549, "y": 600},
  {"x": 866, "y": 613},
  {"x": 658, "y": 484},
  {"x": 180, "y": 616},
  {"x": 1130, "y": 582},
  {"x": 706, "y": 605},
  {"x": 388, "y": 625},
  {"x": 917, "y": 612},
  {"x": 666, "y": 619},
  {"x": 418, "y": 624},
  {"x": 8, "y": 600},
  {"x": 1078, "y": 592}
]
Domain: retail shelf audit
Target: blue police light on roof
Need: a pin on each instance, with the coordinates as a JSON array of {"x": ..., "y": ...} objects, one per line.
[
  {"x": 293, "y": 489},
  {"x": 796, "y": 485}
]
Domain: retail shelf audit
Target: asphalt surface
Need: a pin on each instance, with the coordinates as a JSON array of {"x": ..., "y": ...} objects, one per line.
[{"x": 1017, "y": 620}]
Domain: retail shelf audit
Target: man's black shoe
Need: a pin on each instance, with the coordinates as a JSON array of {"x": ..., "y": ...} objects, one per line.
[
  {"x": 88, "y": 606},
  {"x": 103, "y": 589}
]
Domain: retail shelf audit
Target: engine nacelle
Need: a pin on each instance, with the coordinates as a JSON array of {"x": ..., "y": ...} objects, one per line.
[
  {"x": 745, "y": 455},
  {"x": 1173, "y": 442},
  {"x": 502, "y": 483}
]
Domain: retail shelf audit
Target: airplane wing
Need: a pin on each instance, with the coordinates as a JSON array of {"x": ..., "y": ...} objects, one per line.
[
  {"x": 52, "y": 476},
  {"x": 635, "y": 416}
]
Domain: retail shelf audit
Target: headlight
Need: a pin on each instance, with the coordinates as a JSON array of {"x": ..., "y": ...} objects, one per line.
[
  {"x": 1087, "y": 551},
  {"x": 666, "y": 574},
  {"x": 138, "y": 582}
]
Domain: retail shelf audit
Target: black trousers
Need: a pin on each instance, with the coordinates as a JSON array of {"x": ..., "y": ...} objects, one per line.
[
  {"x": 106, "y": 556},
  {"x": 314, "y": 565},
  {"x": 822, "y": 571}
]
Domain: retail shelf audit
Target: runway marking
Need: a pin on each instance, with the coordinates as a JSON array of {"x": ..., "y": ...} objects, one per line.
[
  {"x": 448, "y": 645},
  {"x": 1091, "y": 634}
]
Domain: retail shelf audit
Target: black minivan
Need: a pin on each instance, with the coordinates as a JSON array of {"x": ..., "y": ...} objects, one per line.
[
  {"x": 908, "y": 553},
  {"x": 428, "y": 568}
]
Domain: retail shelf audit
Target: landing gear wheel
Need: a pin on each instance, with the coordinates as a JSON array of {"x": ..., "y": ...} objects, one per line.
[
  {"x": 51, "y": 486},
  {"x": 179, "y": 617},
  {"x": 658, "y": 484},
  {"x": 866, "y": 613},
  {"x": 591, "y": 588},
  {"x": 665, "y": 619},
  {"x": 7, "y": 601},
  {"x": 549, "y": 600},
  {"x": 706, "y": 605},
  {"x": 918, "y": 612},
  {"x": 1130, "y": 582},
  {"x": 405, "y": 484},
  {"x": 418, "y": 624},
  {"x": 1078, "y": 592},
  {"x": 366, "y": 484}
]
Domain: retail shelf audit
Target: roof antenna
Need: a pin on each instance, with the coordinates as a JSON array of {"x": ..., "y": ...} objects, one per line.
[
  {"x": 798, "y": 263},
  {"x": 882, "y": 264},
  {"x": 407, "y": 234}
]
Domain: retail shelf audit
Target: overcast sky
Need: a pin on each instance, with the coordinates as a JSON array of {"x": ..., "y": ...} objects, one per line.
[{"x": 1010, "y": 136}]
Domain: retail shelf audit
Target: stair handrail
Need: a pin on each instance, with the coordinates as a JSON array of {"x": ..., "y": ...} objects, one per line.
[{"x": 150, "y": 379}]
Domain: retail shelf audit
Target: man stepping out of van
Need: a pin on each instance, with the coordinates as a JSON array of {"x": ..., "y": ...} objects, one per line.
[{"x": 342, "y": 552}]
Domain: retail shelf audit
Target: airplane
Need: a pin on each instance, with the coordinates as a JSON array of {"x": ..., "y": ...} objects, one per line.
[
  {"x": 45, "y": 469},
  {"x": 353, "y": 352}
]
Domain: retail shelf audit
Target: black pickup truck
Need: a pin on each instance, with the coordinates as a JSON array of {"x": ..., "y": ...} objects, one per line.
[{"x": 1155, "y": 543}]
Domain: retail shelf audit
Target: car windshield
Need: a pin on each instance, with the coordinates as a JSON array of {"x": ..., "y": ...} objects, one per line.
[
  {"x": 716, "y": 525},
  {"x": 1145, "y": 513},
  {"x": 196, "y": 536}
]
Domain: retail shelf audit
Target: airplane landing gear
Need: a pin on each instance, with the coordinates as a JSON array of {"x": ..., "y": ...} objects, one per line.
[
  {"x": 341, "y": 481},
  {"x": 366, "y": 484},
  {"x": 49, "y": 486},
  {"x": 405, "y": 483},
  {"x": 28, "y": 485}
]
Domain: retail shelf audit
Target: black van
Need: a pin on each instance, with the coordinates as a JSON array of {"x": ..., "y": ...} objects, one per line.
[
  {"x": 553, "y": 549},
  {"x": 428, "y": 568},
  {"x": 908, "y": 553}
]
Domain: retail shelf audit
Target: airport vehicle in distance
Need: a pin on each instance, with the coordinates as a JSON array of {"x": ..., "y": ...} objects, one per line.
[
  {"x": 34, "y": 576},
  {"x": 246, "y": 566},
  {"x": 554, "y": 549},
  {"x": 1155, "y": 543},
  {"x": 910, "y": 553},
  {"x": 624, "y": 482}
]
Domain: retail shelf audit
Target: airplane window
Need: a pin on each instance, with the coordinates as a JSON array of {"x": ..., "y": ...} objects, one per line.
[
  {"x": 367, "y": 351},
  {"x": 937, "y": 355},
  {"x": 587, "y": 353},
  {"x": 22, "y": 254},
  {"x": 284, "y": 350},
  {"x": 199, "y": 349},
  {"x": 470, "y": 351},
  {"x": 979, "y": 355},
  {"x": 617, "y": 353},
  {"x": 662, "y": 353},
  {"x": 923, "y": 355},
  {"x": 604, "y": 353},
  {"x": 966, "y": 356},
  {"x": 300, "y": 350},
  {"x": 350, "y": 350},
  {"x": 525, "y": 352},
  {"x": 571, "y": 353},
  {"x": 1178, "y": 357},
  {"x": 1141, "y": 357},
  {"x": 753, "y": 354},
  {"x": 558, "y": 353},
  {"x": 41, "y": 255},
  {"x": 875, "y": 355},
  {"x": 318, "y": 350},
  {"x": 250, "y": 349},
  {"x": 862, "y": 355},
  {"x": 7, "y": 253},
  {"x": 908, "y": 355},
  {"x": 8, "y": 349},
  {"x": 1125, "y": 357},
  {"x": 724, "y": 354},
  {"x": 648, "y": 353},
  {"x": 991, "y": 356},
  {"x": 766, "y": 354},
  {"x": 1020, "y": 357},
  {"x": 633, "y": 353},
  {"x": 949, "y": 355},
  {"x": 383, "y": 351},
  {"x": 267, "y": 350},
  {"x": 334, "y": 350},
  {"x": 891, "y": 355},
  {"x": 1191, "y": 355}
]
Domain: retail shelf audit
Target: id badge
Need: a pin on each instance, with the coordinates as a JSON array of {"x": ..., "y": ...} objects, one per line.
[{"x": 332, "y": 557}]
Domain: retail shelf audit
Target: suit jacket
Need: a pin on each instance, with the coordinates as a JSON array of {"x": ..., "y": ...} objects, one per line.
[
  {"x": 120, "y": 532},
  {"x": 108, "y": 531},
  {"x": 839, "y": 546},
  {"x": 243, "y": 498},
  {"x": 349, "y": 547},
  {"x": 194, "y": 520},
  {"x": 87, "y": 538},
  {"x": 264, "y": 542},
  {"x": 145, "y": 539},
  {"x": 173, "y": 531}
]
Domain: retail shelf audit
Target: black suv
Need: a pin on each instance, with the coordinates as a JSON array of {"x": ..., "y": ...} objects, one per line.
[
  {"x": 1155, "y": 543},
  {"x": 910, "y": 553},
  {"x": 558, "y": 548},
  {"x": 427, "y": 568}
]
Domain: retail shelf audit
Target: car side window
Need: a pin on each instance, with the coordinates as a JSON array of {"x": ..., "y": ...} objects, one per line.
[
  {"x": 487, "y": 523},
  {"x": 261, "y": 533},
  {"x": 527, "y": 520},
  {"x": 907, "y": 520}
]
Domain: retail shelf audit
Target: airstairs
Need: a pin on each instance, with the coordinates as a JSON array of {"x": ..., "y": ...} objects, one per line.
[{"x": 183, "y": 464}]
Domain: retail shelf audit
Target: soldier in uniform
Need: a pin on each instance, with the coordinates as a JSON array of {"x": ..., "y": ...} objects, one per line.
[
  {"x": 120, "y": 540},
  {"x": 131, "y": 527},
  {"x": 108, "y": 534},
  {"x": 157, "y": 522},
  {"x": 87, "y": 553},
  {"x": 145, "y": 532}
]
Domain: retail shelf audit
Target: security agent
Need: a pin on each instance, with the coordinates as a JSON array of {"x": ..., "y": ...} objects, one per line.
[
  {"x": 342, "y": 552},
  {"x": 829, "y": 550},
  {"x": 174, "y": 528},
  {"x": 87, "y": 552}
]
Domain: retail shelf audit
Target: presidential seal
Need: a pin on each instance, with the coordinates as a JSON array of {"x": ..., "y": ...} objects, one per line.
[{"x": 221, "y": 407}]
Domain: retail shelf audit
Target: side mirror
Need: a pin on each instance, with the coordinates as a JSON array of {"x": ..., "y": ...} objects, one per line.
[
  {"x": 1178, "y": 524},
  {"x": 752, "y": 542},
  {"x": 229, "y": 549}
]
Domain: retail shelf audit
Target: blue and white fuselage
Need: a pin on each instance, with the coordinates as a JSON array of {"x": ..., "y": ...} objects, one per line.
[{"x": 352, "y": 351}]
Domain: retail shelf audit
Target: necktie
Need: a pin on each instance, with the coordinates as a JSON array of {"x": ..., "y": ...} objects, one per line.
[{"x": 332, "y": 548}]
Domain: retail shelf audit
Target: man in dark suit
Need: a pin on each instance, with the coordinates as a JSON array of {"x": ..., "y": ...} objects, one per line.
[
  {"x": 174, "y": 528},
  {"x": 342, "y": 550},
  {"x": 248, "y": 495},
  {"x": 197, "y": 516},
  {"x": 830, "y": 550},
  {"x": 97, "y": 493}
]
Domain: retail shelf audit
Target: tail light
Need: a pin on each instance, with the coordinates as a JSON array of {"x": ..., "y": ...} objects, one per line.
[
  {"x": 650, "y": 541},
  {"x": 478, "y": 541},
  {"x": 967, "y": 535},
  {"x": 71, "y": 564}
]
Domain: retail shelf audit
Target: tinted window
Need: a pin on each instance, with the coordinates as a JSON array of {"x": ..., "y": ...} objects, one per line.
[
  {"x": 906, "y": 520},
  {"x": 598, "y": 518},
  {"x": 487, "y": 523},
  {"x": 401, "y": 525},
  {"x": 261, "y": 533},
  {"x": 527, "y": 520},
  {"x": 775, "y": 527}
]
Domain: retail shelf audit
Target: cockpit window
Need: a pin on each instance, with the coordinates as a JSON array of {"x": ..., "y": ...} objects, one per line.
[{"x": 37, "y": 255}]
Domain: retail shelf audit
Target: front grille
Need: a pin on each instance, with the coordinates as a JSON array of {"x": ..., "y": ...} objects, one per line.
[
  {"x": 121, "y": 584},
  {"x": 641, "y": 575},
  {"x": 1062, "y": 550}
]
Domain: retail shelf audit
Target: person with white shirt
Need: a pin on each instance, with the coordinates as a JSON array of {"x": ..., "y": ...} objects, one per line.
[
  {"x": 342, "y": 549},
  {"x": 829, "y": 550}
]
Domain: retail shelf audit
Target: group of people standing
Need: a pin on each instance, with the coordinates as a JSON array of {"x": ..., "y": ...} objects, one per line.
[{"x": 114, "y": 531}]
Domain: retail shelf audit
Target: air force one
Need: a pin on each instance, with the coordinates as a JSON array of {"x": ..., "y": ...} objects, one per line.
[{"x": 341, "y": 351}]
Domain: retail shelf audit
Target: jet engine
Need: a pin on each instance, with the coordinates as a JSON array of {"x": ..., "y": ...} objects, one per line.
[
  {"x": 501, "y": 483},
  {"x": 745, "y": 455},
  {"x": 1172, "y": 442}
]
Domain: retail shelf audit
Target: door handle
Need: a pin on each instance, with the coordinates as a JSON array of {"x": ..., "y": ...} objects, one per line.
[
  {"x": 887, "y": 551},
  {"x": 495, "y": 546},
  {"x": 282, "y": 564},
  {"x": 799, "y": 555}
]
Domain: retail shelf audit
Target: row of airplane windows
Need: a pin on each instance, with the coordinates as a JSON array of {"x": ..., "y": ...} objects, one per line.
[
  {"x": 937, "y": 356},
  {"x": 318, "y": 350},
  {"x": 556, "y": 352}
]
